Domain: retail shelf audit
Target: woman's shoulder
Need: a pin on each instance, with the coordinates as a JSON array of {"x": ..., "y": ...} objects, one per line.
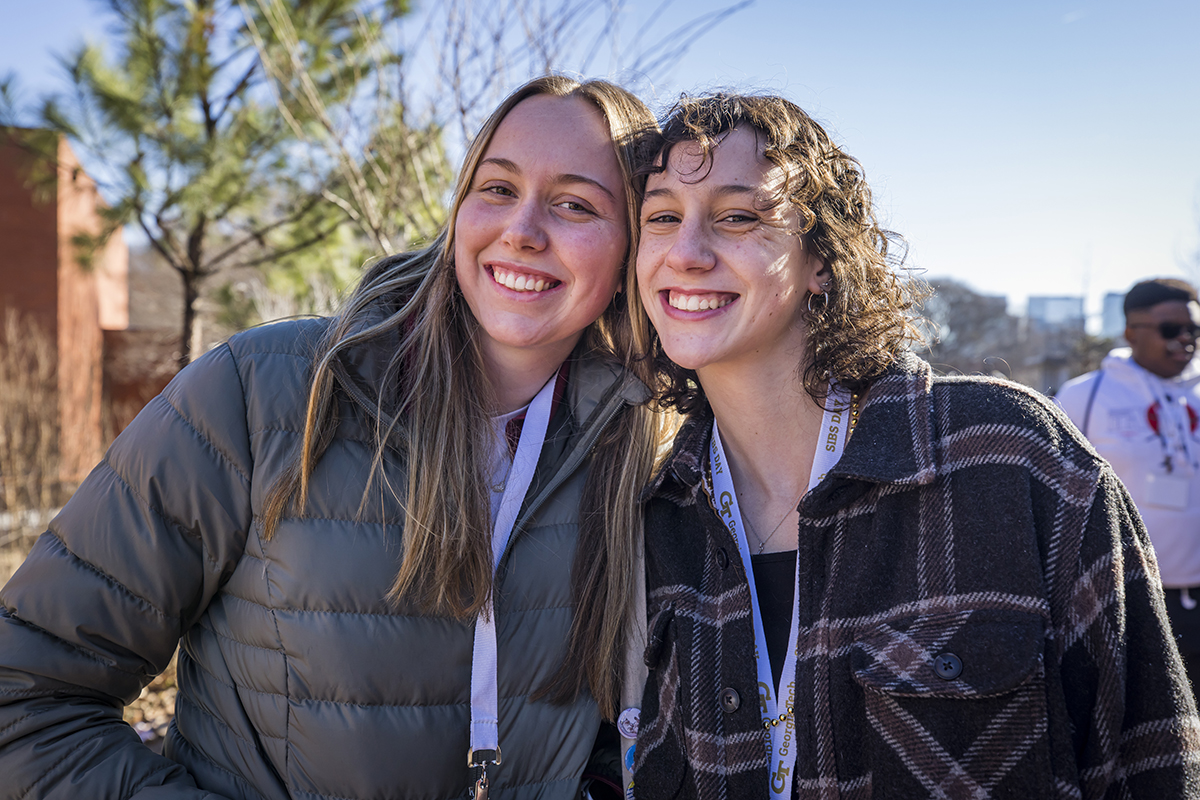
[
  {"x": 992, "y": 397},
  {"x": 290, "y": 337},
  {"x": 979, "y": 402},
  {"x": 268, "y": 365},
  {"x": 986, "y": 409}
]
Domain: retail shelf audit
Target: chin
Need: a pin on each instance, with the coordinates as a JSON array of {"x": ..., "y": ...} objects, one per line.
[{"x": 692, "y": 361}]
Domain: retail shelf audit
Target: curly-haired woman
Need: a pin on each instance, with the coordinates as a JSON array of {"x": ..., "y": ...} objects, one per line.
[
  {"x": 386, "y": 584},
  {"x": 864, "y": 580}
]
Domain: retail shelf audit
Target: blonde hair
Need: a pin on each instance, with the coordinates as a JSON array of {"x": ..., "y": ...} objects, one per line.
[{"x": 433, "y": 404}]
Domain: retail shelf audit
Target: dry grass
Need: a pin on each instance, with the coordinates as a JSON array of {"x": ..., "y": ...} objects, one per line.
[
  {"x": 10, "y": 559},
  {"x": 28, "y": 415},
  {"x": 18, "y": 532},
  {"x": 152, "y": 712}
]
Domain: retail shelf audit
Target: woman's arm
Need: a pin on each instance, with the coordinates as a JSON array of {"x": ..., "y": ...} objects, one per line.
[
  {"x": 97, "y": 609},
  {"x": 1136, "y": 730}
]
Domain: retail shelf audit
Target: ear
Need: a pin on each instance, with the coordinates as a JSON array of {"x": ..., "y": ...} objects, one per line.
[{"x": 820, "y": 274}]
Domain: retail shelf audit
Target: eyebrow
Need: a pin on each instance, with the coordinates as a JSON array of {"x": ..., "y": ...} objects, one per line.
[
  {"x": 563, "y": 177},
  {"x": 724, "y": 190}
]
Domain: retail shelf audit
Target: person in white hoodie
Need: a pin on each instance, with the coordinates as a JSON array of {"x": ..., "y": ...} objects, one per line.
[{"x": 1141, "y": 411}]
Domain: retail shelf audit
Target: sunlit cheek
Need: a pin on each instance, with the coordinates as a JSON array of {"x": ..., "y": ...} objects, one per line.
[
  {"x": 784, "y": 265},
  {"x": 469, "y": 238},
  {"x": 608, "y": 265},
  {"x": 645, "y": 291},
  {"x": 462, "y": 260},
  {"x": 650, "y": 254},
  {"x": 480, "y": 223}
]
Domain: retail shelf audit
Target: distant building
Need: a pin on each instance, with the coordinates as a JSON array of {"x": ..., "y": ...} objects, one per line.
[
  {"x": 1054, "y": 327},
  {"x": 1112, "y": 321},
  {"x": 46, "y": 202},
  {"x": 1042, "y": 349},
  {"x": 1050, "y": 313}
]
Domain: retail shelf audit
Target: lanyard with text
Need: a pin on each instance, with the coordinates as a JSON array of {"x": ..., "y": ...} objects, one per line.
[
  {"x": 485, "y": 704},
  {"x": 781, "y": 726}
]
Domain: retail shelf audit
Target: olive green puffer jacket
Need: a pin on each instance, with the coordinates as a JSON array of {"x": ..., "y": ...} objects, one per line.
[{"x": 297, "y": 679}]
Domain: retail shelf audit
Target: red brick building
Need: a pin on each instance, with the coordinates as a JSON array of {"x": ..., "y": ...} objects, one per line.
[{"x": 43, "y": 207}]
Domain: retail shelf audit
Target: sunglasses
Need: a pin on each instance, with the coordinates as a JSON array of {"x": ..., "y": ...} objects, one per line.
[{"x": 1171, "y": 330}]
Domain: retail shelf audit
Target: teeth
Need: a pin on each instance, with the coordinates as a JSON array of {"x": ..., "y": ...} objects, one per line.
[
  {"x": 520, "y": 283},
  {"x": 695, "y": 302}
]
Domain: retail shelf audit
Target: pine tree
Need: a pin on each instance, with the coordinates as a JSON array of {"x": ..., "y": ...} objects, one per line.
[{"x": 182, "y": 131}]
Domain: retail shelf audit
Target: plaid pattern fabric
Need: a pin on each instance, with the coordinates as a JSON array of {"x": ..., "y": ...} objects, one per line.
[{"x": 967, "y": 523}]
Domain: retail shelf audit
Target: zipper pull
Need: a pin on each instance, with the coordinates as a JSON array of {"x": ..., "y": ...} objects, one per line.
[{"x": 480, "y": 791}]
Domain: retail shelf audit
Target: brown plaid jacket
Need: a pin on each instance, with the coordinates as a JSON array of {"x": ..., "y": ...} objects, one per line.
[{"x": 967, "y": 516}]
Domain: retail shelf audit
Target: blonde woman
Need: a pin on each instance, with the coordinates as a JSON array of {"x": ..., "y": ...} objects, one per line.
[
  {"x": 394, "y": 545},
  {"x": 864, "y": 580}
]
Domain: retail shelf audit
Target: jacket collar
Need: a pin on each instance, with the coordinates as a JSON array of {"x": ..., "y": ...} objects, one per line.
[{"x": 893, "y": 443}]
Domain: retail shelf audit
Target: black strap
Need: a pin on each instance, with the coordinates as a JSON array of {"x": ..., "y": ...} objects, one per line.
[{"x": 1087, "y": 414}]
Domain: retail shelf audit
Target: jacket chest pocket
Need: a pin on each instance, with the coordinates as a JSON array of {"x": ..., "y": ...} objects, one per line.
[
  {"x": 956, "y": 700},
  {"x": 961, "y": 655}
]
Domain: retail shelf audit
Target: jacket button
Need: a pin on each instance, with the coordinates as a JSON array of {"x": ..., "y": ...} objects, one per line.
[
  {"x": 722, "y": 558},
  {"x": 731, "y": 701},
  {"x": 947, "y": 666}
]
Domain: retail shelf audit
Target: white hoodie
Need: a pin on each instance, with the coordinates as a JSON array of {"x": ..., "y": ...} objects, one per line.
[{"x": 1148, "y": 428}]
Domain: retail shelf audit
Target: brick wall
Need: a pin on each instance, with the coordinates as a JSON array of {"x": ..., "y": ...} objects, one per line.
[
  {"x": 44, "y": 204},
  {"x": 29, "y": 229},
  {"x": 80, "y": 337}
]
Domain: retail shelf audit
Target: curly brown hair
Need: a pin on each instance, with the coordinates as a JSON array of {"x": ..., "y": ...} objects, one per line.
[{"x": 867, "y": 317}]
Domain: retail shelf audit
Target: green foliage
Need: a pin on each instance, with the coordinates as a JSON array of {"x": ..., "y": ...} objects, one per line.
[
  {"x": 181, "y": 130},
  {"x": 385, "y": 171}
]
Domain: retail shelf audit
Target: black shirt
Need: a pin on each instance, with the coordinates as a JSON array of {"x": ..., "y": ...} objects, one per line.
[{"x": 775, "y": 585}]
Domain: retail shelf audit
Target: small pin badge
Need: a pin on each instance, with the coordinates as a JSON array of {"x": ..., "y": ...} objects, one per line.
[{"x": 627, "y": 722}]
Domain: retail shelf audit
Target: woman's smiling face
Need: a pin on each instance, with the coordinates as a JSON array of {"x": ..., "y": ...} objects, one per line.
[
  {"x": 721, "y": 269},
  {"x": 540, "y": 237}
]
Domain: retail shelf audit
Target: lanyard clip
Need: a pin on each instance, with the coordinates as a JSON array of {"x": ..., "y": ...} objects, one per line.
[{"x": 481, "y": 758}]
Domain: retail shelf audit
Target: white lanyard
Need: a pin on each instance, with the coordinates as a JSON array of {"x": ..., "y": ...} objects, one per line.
[
  {"x": 782, "y": 726},
  {"x": 485, "y": 704}
]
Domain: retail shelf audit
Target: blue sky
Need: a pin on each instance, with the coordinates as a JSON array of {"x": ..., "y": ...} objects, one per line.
[{"x": 1023, "y": 147}]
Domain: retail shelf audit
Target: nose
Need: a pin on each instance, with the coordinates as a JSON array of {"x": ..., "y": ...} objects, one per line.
[
  {"x": 524, "y": 229},
  {"x": 690, "y": 250}
]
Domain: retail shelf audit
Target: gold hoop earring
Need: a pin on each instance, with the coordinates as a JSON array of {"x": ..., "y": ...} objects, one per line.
[{"x": 824, "y": 303}]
